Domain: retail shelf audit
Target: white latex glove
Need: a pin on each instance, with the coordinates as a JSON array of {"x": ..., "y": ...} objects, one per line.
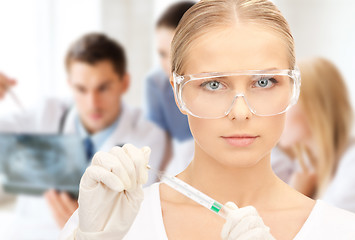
[
  {"x": 244, "y": 224},
  {"x": 111, "y": 193}
]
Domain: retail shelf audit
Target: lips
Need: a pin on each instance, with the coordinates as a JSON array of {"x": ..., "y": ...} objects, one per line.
[
  {"x": 95, "y": 116},
  {"x": 240, "y": 140}
]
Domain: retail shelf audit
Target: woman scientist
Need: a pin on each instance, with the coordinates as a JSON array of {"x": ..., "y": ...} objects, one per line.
[{"x": 234, "y": 77}]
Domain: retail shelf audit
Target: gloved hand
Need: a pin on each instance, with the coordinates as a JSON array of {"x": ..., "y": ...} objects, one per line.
[
  {"x": 111, "y": 193},
  {"x": 244, "y": 224}
]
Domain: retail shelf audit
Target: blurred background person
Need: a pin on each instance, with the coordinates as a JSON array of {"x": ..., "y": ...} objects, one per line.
[
  {"x": 97, "y": 76},
  {"x": 318, "y": 157},
  {"x": 159, "y": 97}
]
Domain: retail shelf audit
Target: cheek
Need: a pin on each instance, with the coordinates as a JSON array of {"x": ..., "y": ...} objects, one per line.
[
  {"x": 80, "y": 99},
  {"x": 112, "y": 94},
  {"x": 205, "y": 132},
  {"x": 197, "y": 127},
  {"x": 110, "y": 102}
]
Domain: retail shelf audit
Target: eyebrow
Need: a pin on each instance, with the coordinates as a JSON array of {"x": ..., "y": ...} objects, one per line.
[
  {"x": 219, "y": 77},
  {"x": 104, "y": 83}
]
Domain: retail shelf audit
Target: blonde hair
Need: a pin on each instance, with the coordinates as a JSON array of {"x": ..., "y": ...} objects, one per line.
[
  {"x": 207, "y": 15},
  {"x": 326, "y": 105}
]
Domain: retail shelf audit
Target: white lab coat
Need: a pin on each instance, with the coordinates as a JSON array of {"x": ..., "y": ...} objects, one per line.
[{"x": 32, "y": 213}]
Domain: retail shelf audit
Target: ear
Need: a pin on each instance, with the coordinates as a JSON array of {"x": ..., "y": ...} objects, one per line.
[
  {"x": 175, "y": 97},
  {"x": 126, "y": 82}
]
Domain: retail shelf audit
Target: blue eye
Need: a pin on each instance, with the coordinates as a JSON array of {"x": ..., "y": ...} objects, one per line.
[
  {"x": 211, "y": 85},
  {"x": 265, "y": 82}
]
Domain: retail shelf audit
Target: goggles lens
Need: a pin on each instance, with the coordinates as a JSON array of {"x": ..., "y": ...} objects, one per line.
[{"x": 212, "y": 95}]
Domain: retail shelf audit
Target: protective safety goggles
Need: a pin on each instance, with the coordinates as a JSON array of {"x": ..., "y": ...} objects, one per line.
[{"x": 212, "y": 95}]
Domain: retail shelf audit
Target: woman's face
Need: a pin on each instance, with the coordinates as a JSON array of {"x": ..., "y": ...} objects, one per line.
[
  {"x": 296, "y": 127},
  {"x": 240, "y": 139}
]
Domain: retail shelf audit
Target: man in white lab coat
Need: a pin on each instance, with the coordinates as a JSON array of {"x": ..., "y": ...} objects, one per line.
[{"x": 97, "y": 75}]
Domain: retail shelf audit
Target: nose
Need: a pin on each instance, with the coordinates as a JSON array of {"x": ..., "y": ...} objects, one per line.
[
  {"x": 93, "y": 99},
  {"x": 239, "y": 109}
]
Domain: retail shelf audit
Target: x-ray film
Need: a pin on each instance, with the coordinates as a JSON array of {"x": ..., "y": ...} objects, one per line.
[{"x": 32, "y": 164}]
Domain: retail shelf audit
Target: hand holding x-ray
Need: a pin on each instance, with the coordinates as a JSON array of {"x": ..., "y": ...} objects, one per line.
[{"x": 111, "y": 192}]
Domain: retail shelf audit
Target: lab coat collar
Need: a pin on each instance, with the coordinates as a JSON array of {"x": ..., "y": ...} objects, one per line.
[{"x": 100, "y": 137}]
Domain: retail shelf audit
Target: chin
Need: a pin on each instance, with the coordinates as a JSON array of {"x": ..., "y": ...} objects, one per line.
[
  {"x": 241, "y": 163},
  {"x": 238, "y": 159},
  {"x": 95, "y": 126}
]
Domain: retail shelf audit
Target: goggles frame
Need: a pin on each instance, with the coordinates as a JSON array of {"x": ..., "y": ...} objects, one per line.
[{"x": 181, "y": 80}]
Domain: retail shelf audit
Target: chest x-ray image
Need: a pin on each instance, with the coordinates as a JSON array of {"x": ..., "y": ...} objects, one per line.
[{"x": 32, "y": 164}]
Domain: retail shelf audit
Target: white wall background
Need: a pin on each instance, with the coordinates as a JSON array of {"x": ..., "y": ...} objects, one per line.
[
  {"x": 35, "y": 35},
  {"x": 324, "y": 28}
]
